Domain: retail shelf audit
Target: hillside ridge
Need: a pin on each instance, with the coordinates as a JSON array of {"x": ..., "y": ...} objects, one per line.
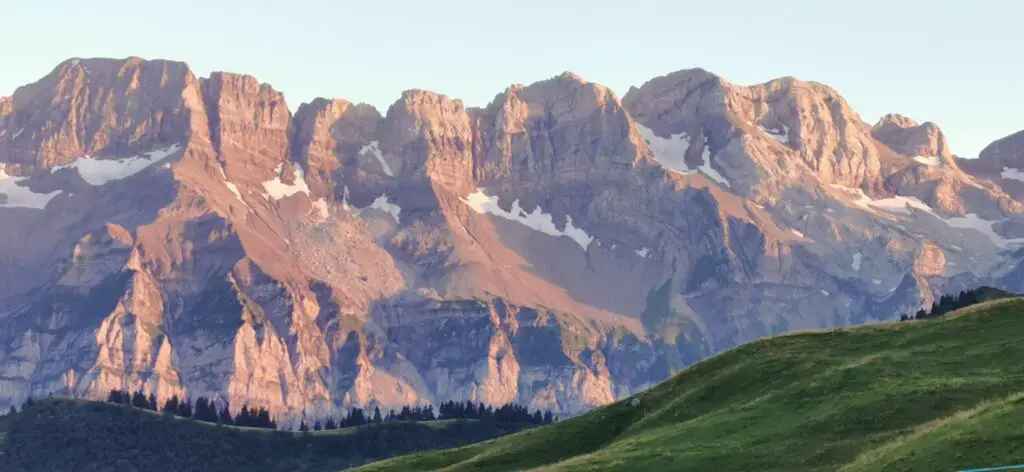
[{"x": 880, "y": 397}]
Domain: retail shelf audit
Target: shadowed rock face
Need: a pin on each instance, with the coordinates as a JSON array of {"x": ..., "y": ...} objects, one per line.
[{"x": 557, "y": 247}]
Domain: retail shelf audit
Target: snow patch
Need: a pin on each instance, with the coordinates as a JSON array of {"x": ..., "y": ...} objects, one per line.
[
  {"x": 825, "y": 293},
  {"x": 374, "y": 148},
  {"x": 856, "y": 260},
  {"x": 1008, "y": 173},
  {"x": 17, "y": 133},
  {"x": 900, "y": 204},
  {"x": 480, "y": 202},
  {"x": 799, "y": 234},
  {"x": 231, "y": 186},
  {"x": 19, "y": 196},
  {"x": 98, "y": 172},
  {"x": 928, "y": 161},
  {"x": 670, "y": 153},
  {"x": 642, "y": 252},
  {"x": 780, "y": 135},
  {"x": 710, "y": 171},
  {"x": 905, "y": 205},
  {"x": 74, "y": 62},
  {"x": 381, "y": 203},
  {"x": 277, "y": 189},
  {"x": 234, "y": 189},
  {"x": 344, "y": 199},
  {"x": 3, "y": 133},
  {"x": 972, "y": 221},
  {"x": 876, "y": 281},
  {"x": 897, "y": 204}
]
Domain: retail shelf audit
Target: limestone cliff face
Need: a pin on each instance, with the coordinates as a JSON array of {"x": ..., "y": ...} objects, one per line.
[
  {"x": 563, "y": 130},
  {"x": 1007, "y": 151},
  {"x": 908, "y": 138},
  {"x": 97, "y": 107},
  {"x": 558, "y": 247},
  {"x": 1001, "y": 162},
  {"x": 759, "y": 138}
]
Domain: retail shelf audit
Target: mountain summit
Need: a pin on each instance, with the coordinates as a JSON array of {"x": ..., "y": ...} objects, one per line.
[{"x": 559, "y": 247}]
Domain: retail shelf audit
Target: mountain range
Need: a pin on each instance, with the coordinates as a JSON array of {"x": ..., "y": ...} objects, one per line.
[{"x": 559, "y": 248}]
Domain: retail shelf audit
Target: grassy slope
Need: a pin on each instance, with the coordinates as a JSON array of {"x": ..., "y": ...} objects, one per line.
[
  {"x": 60, "y": 434},
  {"x": 942, "y": 394}
]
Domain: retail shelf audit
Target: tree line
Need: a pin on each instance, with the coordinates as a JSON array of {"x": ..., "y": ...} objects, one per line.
[
  {"x": 451, "y": 410},
  {"x": 949, "y": 303},
  {"x": 204, "y": 409}
]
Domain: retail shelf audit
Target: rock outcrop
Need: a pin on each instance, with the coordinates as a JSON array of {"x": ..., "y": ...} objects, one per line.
[{"x": 925, "y": 142}]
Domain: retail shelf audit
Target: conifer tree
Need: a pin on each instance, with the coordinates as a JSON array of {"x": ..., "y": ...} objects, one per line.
[
  {"x": 243, "y": 418},
  {"x": 171, "y": 405},
  {"x": 139, "y": 400},
  {"x": 225, "y": 414},
  {"x": 185, "y": 408},
  {"x": 263, "y": 419}
]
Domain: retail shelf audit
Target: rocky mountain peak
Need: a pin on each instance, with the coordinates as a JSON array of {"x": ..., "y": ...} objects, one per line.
[
  {"x": 571, "y": 77},
  {"x": 1006, "y": 152},
  {"x": 924, "y": 142},
  {"x": 756, "y": 140},
  {"x": 430, "y": 137},
  {"x": 250, "y": 124},
  {"x": 563, "y": 129},
  {"x": 895, "y": 120},
  {"x": 96, "y": 107},
  {"x": 424, "y": 108},
  {"x": 331, "y": 134}
]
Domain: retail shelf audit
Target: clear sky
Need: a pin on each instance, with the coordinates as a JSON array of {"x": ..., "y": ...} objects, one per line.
[{"x": 957, "y": 63}]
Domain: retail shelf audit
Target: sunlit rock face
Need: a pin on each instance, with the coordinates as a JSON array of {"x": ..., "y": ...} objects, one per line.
[{"x": 558, "y": 247}]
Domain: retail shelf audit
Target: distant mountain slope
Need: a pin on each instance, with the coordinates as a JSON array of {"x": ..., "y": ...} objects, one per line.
[
  {"x": 942, "y": 394},
  {"x": 77, "y": 436},
  {"x": 558, "y": 248}
]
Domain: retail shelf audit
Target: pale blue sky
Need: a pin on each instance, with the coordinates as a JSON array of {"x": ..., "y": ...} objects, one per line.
[{"x": 956, "y": 63}]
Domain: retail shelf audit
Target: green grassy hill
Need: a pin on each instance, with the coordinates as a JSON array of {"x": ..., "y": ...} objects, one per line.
[
  {"x": 61, "y": 434},
  {"x": 943, "y": 394}
]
